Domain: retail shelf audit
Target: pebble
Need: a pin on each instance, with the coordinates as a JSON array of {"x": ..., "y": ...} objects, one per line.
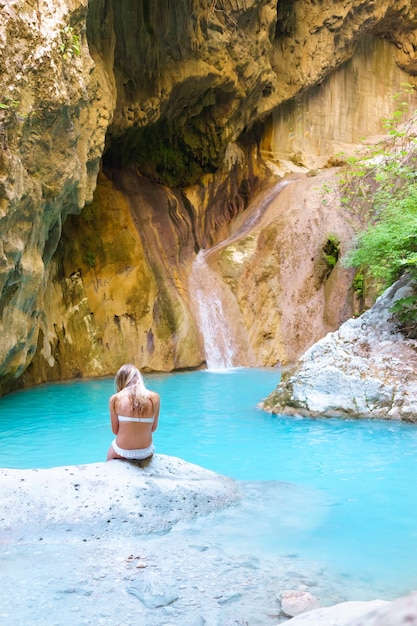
[{"x": 295, "y": 602}]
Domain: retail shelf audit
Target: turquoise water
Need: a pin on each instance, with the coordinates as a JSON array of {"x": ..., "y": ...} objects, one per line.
[{"x": 339, "y": 491}]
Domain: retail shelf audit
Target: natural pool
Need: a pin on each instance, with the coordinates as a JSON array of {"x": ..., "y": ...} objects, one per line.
[{"x": 339, "y": 492}]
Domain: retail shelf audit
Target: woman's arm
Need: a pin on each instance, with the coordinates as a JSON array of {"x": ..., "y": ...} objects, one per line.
[
  {"x": 156, "y": 405},
  {"x": 113, "y": 415}
]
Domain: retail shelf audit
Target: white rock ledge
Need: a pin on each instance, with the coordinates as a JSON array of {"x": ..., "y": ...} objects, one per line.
[
  {"x": 140, "y": 497},
  {"x": 89, "y": 544}
]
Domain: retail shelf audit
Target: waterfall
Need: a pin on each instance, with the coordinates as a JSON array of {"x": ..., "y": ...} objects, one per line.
[
  {"x": 226, "y": 343},
  {"x": 218, "y": 339},
  {"x": 248, "y": 220}
]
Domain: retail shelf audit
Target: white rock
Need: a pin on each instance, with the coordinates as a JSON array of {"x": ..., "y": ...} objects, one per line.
[
  {"x": 139, "y": 497},
  {"x": 365, "y": 369},
  {"x": 295, "y": 602},
  {"x": 401, "y": 612},
  {"x": 337, "y": 615}
]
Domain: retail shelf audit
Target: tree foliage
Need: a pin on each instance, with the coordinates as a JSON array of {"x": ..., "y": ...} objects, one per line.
[
  {"x": 388, "y": 246},
  {"x": 381, "y": 188}
]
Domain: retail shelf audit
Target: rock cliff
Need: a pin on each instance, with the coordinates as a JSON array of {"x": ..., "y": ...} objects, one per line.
[{"x": 134, "y": 134}]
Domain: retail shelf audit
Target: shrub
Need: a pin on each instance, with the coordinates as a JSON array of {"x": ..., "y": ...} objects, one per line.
[{"x": 382, "y": 191}]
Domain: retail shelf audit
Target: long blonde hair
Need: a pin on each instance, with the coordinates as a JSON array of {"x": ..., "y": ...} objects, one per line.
[{"x": 129, "y": 376}]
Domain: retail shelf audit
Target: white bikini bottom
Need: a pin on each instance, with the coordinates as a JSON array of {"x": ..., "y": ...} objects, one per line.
[{"x": 138, "y": 455}]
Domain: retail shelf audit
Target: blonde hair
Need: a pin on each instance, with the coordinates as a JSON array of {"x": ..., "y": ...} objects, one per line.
[{"x": 129, "y": 376}]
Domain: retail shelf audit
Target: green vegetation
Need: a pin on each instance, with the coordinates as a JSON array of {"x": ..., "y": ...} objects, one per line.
[
  {"x": 70, "y": 43},
  {"x": 9, "y": 104},
  {"x": 382, "y": 191},
  {"x": 358, "y": 284},
  {"x": 331, "y": 251},
  {"x": 405, "y": 309},
  {"x": 90, "y": 258},
  {"x": 371, "y": 180},
  {"x": 388, "y": 246},
  {"x": 11, "y": 117}
]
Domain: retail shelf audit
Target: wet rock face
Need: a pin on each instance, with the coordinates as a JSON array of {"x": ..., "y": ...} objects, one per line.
[
  {"x": 118, "y": 286},
  {"x": 52, "y": 137},
  {"x": 239, "y": 60},
  {"x": 189, "y": 79},
  {"x": 276, "y": 274},
  {"x": 186, "y": 95}
]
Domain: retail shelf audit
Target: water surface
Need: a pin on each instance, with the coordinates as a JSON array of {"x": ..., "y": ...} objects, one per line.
[{"x": 341, "y": 492}]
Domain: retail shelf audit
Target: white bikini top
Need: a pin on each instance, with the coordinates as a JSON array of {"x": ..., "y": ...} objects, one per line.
[{"x": 143, "y": 420}]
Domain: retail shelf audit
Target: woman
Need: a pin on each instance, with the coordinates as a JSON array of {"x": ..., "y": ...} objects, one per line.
[{"x": 134, "y": 413}]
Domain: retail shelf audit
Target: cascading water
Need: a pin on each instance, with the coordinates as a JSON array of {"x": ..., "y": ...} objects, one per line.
[
  {"x": 218, "y": 339},
  {"x": 225, "y": 338}
]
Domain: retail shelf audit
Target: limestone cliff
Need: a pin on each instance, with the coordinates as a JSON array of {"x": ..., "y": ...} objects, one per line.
[
  {"x": 188, "y": 110},
  {"x": 52, "y": 139}
]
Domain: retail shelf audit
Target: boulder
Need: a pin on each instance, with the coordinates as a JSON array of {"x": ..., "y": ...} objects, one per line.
[
  {"x": 295, "y": 602},
  {"x": 89, "y": 500},
  {"x": 364, "y": 369},
  {"x": 340, "y": 614},
  {"x": 400, "y": 612}
]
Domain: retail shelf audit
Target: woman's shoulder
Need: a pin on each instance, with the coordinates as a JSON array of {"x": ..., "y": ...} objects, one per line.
[
  {"x": 117, "y": 398},
  {"x": 154, "y": 398}
]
